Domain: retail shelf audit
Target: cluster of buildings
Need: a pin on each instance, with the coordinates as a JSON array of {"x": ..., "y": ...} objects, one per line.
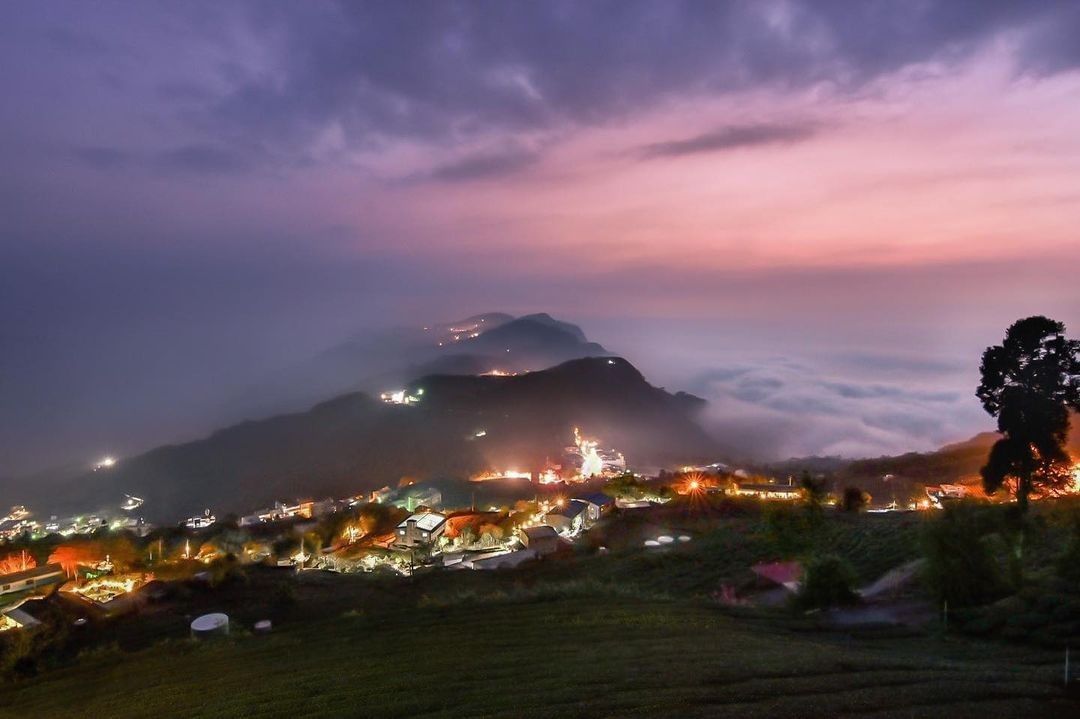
[
  {"x": 409, "y": 498},
  {"x": 19, "y": 522},
  {"x": 563, "y": 519},
  {"x": 302, "y": 509},
  {"x": 472, "y": 539}
]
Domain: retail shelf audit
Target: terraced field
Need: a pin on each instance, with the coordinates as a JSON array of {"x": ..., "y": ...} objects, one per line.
[{"x": 561, "y": 657}]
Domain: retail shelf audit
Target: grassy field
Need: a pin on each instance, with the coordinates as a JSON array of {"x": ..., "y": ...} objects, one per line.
[
  {"x": 572, "y": 657},
  {"x": 629, "y": 633}
]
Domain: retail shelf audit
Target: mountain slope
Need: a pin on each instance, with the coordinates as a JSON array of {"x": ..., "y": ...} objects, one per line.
[
  {"x": 530, "y": 417},
  {"x": 530, "y": 343},
  {"x": 376, "y": 361},
  {"x": 354, "y": 443},
  {"x": 903, "y": 475},
  {"x": 952, "y": 464}
]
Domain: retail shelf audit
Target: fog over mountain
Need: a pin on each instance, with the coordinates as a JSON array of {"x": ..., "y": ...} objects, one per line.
[
  {"x": 354, "y": 443},
  {"x": 385, "y": 359},
  {"x": 820, "y": 397}
]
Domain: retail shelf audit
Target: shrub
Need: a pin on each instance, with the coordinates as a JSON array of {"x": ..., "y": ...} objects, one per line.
[
  {"x": 790, "y": 528},
  {"x": 1068, "y": 562},
  {"x": 854, "y": 499},
  {"x": 828, "y": 581},
  {"x": 960, "y": 567},
  {"x": 284, "y": 596}
]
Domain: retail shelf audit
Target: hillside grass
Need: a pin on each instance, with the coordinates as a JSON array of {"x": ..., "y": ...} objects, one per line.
[
  {"x": 722, "y": 550},
  {"x": 569, "y": 657},
  {"x": 623, "y": 634}
]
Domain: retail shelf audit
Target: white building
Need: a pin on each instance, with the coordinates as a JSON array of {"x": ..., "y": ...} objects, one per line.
[
  {"x": 418, "y": 529},
  {"x": 32, "y": 579},
  {"x": 569, "y": 520},
  {"x": 200, "y": 522}
]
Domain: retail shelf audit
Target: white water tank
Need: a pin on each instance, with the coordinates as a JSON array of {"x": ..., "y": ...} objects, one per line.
[{"x": 209, "y": 625}]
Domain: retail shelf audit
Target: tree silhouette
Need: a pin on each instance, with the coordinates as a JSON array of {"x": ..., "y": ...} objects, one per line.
[
  {"x": 854, "y": 500},
  {"x": 815, "y": 489},
  {"x": 1029, "y": 384}
]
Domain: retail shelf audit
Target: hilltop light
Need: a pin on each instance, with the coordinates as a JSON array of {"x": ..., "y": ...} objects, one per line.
[
  {"x": 400, "y": 396},
  {"x": 105, "y": 463}
]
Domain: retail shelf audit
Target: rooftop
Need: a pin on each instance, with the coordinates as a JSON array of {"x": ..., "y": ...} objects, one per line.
[
  {"x": 779, "y": 488},
  {"x": 34, "y": 573},
  {"x": 539, "y": 532},
  {"x": 785, "y": 574},
  {"x": 598, "y": 498},
  {"x": 427, "y": 522},
  {"x": 572, "y": 509}
]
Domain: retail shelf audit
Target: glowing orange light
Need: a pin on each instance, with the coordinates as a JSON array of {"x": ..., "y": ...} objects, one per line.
[
  {"x": 17, "y": 563},
  {"x": 591, "y": 464}
]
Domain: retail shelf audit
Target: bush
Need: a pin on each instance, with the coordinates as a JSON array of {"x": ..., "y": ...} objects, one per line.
[
  {"x": 854, "y": 500},
  {"x": 284, "y": 596},
  {"x": 960, "y": 567},
  {"x": 791, "y": 528},
  {"x": 1068, "y": 562},
  {"x": 828, "y": 581},
  {"x": 24, "y": 651}
]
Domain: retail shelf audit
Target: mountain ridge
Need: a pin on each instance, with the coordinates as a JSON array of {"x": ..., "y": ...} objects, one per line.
[
  {"x": 378, "y": 360},
  {"x": 354, "y": 443}
]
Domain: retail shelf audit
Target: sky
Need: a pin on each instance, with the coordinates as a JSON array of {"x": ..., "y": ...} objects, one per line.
[{"x": 815, "y": 214}]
